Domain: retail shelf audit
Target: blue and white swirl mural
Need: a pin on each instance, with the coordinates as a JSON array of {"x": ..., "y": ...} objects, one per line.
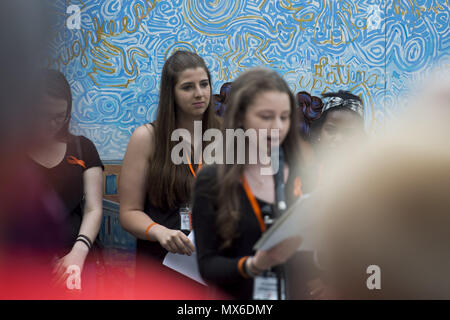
[{"x": 374, "y": 48}]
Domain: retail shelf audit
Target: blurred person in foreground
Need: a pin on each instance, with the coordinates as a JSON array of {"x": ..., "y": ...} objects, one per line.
[
  {"x": 388, "y": 205},
  {"x": 28, "y": 212}
]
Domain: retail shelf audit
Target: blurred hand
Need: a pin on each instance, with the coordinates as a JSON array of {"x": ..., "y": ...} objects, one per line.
[
  {"x": 320, "y": 291},
  {"x": 265, "y": 259},
  {"x": 76, "y": 256}
]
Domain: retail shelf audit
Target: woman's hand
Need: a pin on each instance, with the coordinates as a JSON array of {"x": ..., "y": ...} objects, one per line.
[
  {"x": 76, "y": 256},
  {"x": 173, "y": 241},
  {"x": 265, "y": 259},
  {"x": 320, "y": 291}
]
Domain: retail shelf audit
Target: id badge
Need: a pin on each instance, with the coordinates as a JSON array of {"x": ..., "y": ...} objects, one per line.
[
  {"x": 265, "y": 287},
  {"x": 185, "y": 218}
]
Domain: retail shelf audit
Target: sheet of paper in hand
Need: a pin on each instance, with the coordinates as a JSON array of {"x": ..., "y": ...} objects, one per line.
[
  {"x": 298, "y": 220},
  {"x": 184, "y": 264}
]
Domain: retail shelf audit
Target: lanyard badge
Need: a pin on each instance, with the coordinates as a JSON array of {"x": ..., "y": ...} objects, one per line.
[
  {"x": 185, "y": 211},
  {"x": 185, "y": 218},
  {"x": 265, "y": 287}
]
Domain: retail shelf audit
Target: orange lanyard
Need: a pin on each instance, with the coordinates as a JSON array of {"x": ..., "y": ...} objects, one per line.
[
  {"x": 195, "y": 176},
  {"x": 192, "y": 169},
  {"x": 254, "y": 202}
]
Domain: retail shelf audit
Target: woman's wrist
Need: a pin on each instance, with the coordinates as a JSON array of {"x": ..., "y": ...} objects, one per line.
[
  {"x": 80, "y": 248},
  {"x": 152, "y": 231}
]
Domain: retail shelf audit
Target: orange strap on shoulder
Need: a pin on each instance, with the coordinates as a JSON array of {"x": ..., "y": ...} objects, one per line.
[
  {"x": 254, "y": 204},
  {"x": 191, "y": 168},
  {"x": 73, "y": 160}
]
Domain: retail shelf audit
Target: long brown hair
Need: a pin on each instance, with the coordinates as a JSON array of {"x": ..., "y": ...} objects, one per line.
[
  {"x": 244, "y": 90},
  {"x": 170, "y": 185}
]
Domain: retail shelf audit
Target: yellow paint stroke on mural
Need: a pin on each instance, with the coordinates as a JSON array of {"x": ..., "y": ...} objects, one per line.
[
  {"x": 403, "y": 7},
  {"x": 346, "y": 7},
  {"x": 107, "y": 52},
  {"x": 196, "y": 16},
  {"x": 307, "y": 17},
  {"x": 240, "y": 49}
]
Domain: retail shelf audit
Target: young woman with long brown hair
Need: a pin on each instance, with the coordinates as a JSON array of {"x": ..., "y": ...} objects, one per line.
[
  {"x": 234, "y": 203},
  {"x": 154, "y": 191}
]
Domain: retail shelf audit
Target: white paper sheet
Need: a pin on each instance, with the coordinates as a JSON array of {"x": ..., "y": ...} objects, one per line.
[
  {"x": 297, "y": 221},
  {"x": 184, "y": 264}
]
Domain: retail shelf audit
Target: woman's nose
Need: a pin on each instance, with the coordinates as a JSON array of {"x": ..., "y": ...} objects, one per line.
[
  {"x": 198, "y": 91},
  {"x": 277, "y": 123}
]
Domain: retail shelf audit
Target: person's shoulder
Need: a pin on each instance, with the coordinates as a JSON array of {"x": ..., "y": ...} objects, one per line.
[
  {"x": 86, "y": 144},
  {"x": 142, "y": 141},
  {"x": 81, "y": 140},
  {"x": 145, "y": 133},
  {"x": 84, "y": 140}
]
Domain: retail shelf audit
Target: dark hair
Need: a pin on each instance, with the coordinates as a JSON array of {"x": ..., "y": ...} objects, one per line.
[
  {"x": 315, "y": 112},
  {"x": 311, "y": 109},
  {"x": 54, "y": 84},
  {"x": 174, "y": 181},
  {"x": 220, "y": 100},
  {"x": 244, "y": 90}
]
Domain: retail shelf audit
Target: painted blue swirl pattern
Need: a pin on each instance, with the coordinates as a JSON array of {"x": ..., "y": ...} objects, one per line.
[{"x": 374, "y": 48}]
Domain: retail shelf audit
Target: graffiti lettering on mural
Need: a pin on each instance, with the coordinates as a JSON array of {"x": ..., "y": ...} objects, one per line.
[
  {"x": 329, "y": 76},
  {"x": 107, "y": 58}
]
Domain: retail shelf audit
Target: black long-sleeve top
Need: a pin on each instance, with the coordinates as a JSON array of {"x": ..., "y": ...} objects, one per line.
[{"x": 220, "y": 266}]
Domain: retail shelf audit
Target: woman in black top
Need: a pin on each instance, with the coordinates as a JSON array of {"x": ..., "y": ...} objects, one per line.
[
  {"x": 154, "y": 191},
  {"x": 234, "y": 203},
  {"x": 71, "y": 168}
]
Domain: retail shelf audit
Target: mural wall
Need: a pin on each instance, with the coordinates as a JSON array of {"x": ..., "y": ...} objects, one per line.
[{"x": 373, "y": 48}]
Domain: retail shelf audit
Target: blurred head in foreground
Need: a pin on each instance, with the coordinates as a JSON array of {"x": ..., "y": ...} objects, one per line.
[
  {"x": 389, "y": 205},
  {"x": 24, "y": 29}
]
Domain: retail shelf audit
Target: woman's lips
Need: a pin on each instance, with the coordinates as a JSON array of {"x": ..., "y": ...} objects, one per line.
[{"x": 199, "y": 104}]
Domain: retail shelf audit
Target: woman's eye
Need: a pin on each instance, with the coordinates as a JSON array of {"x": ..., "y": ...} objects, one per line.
[
  {"x": 204, "y": 84},
  {"x": 284, "y": 118}
]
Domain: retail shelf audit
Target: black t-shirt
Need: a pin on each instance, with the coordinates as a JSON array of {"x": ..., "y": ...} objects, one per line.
[
  {"x": 66, "y": 179},
  {"x": 220, "y": 266}
]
